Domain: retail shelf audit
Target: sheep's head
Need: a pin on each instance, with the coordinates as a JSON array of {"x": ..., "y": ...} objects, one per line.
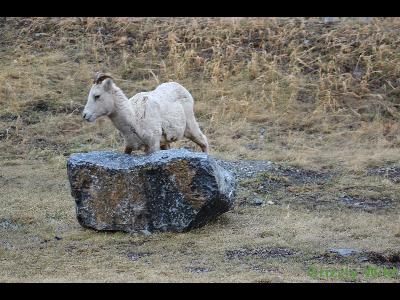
[{"x": 100, "y": 100}]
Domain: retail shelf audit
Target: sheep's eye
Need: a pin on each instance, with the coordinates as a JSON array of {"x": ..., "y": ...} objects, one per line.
[{"x": 96, "y": 97}]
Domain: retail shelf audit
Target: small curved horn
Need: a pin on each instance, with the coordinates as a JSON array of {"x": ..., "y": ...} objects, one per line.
[{"x": 99, "y": 77}]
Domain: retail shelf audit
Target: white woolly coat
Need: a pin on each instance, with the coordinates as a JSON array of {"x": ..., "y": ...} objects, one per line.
[{"x": 157, "y": 116}]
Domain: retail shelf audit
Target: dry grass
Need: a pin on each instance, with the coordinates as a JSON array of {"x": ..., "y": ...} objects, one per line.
[
  {"x": 322, "y": 93},
  {"x": 326, "y": 96},
  {"x": 38, "y": 208}
]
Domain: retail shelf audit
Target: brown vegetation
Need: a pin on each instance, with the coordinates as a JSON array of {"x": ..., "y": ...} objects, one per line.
[
  {"x": 321, "y": 92},
  {"x": 292, "y": 90}
]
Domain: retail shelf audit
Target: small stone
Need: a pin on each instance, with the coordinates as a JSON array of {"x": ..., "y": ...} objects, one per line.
[
  {"x": 8, "y": 224},
  {"x": 198, "y": 269},
  {"x": 343, "y": 251},
  {"x": 39, "y": 34},
  {"x": 257, "y": 202},
  {"x": 237, "y": 135},
  {"x": 252, "y": 146},
  {"x": 136, "y": 256},
  {"x": 270, "y": 202}
]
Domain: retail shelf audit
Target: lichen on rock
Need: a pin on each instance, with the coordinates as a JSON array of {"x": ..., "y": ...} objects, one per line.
[{"x": 173, "y": 190}]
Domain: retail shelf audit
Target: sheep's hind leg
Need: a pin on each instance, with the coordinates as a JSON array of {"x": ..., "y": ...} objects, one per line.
[
  {"x": 153, "y": 148},
  {"x": 202, "y": 142},
  {"x": 192, "y": 130},
  {"x": 198, "y": 137}
]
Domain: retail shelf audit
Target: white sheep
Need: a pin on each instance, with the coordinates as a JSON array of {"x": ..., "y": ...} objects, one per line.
[{"x": 149, "y": 120}]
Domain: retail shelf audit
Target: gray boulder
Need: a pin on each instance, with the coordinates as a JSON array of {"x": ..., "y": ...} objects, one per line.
[{"x": 173, "y": 190}]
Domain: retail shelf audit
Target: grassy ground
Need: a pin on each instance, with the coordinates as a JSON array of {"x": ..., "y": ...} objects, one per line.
[
  {"x": 325, "y": 96},
  {"x": 42, "y": 241}
]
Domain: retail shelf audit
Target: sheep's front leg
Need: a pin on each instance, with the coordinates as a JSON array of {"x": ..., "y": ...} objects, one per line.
[{"x": 155, "y": 146}]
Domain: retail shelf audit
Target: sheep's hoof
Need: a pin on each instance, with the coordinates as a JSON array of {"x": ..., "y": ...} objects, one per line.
[
  {"x": 128, "y": 150},
  {"x": 165, "y": 147}
]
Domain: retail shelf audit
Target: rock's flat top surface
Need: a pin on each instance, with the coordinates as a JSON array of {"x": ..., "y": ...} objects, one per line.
[{"x": 120, "y": 161}]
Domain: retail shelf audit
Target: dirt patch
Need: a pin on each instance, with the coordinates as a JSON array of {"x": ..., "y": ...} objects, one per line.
[
  {"x": 335, "y": 258},
  {"x": 43, "y": 143},
  {"x": 40, "y": 105},
  {"x": 392, "y": 258},
  {"x": 6, "y": 133},
  {"x": 357, "y": 256},
  {"x": 324, "y": 199},
  {"x": 263, "y": 253},
  {"x": 267, "y": 176},
  {"x": 135, "y": 256},
  {"x": 198, "y": 269},
  {"x": 390, "y": 172},
  {"x": 9, "y": 224},
  {"x": 8, "y": 117},
  {"x": 303, "y": 176},
  {"x": 366, "y": 203},
  {"x": 247, "y": 168},
  {"x": 263, "y": 181},
  {"x": 244, "y": 169},
  {"x": 280, "y": 184}
]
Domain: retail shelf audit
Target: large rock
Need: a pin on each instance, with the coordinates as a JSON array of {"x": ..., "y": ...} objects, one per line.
[{"x": 172, "y": 190}]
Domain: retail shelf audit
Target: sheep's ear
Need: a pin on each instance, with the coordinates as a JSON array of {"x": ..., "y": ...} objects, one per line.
[{"x": 107, "y": 84}]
